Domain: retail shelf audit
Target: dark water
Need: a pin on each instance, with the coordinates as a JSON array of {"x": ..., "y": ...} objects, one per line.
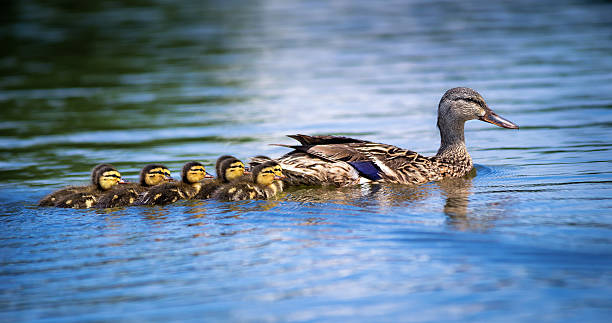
[{"x": 529, "y": 238}]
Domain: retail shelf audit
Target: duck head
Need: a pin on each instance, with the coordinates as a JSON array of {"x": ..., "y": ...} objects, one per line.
[
  {"x": 220, "y": 160},
  {"x": 230, "y": 169},
  {"x": 154, "y": 174},
  {"x": 265, "y": 174},
  {"x": 107, "y": 177},
  {"x": 193, "y": 172},
  {"x": 461, "y": 104}
]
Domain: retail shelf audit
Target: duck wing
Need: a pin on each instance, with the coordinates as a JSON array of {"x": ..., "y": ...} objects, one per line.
[{"x": 307, "y": 140}]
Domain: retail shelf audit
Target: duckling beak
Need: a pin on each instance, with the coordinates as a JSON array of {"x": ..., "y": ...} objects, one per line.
[
  {"x": 246, "y": 172},
  {"x": 121, "y": 181},
  {"x": 492, "y": 117},
  {"x": 169, "y": 178},
  {"x": 208, "y": 176},
  {"x": 276, "y": 177}
]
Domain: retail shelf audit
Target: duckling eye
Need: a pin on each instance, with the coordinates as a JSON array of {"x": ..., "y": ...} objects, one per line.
[
  {"x": 240, "y": 166},
  {"x": 199, "y": 169},
  {"x": 111, "y": 175}
]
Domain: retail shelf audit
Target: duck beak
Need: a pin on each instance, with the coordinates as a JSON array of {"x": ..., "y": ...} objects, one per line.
[
  {"x": 121, "y": 181},
  {"x": 208, "y": 176},
  {"x": 276, "y": 177},
  {"x": 169, "y": 178},
  {"x": 492, "y": 117},
  {"x": 246, "y": 172}
]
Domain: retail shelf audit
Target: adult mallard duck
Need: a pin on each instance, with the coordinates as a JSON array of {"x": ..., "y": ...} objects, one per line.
[
  {"x": 228, "y": 168},
  {"x": 342, "y": 161},
  {"x": 191, "y": 176},
  {"x": 106, "y": 178},
  {"x": 260, "y": 186},
  {"x": 53, "y": 198},
  {"x": 126, "y": 194}
]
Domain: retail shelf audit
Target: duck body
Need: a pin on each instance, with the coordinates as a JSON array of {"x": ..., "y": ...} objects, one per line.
[
  {"x": 166, "y": 193},
  {"x": 229, "y": 169},
  {"x": 53, "y": 198},
  {"x": 243, "y": 190},
  {"x": 261, "y": 185},
  {"x": 344, "y": 161},
  {"x": 126, "y": 194},
  {"x": 104, "y": 179}
]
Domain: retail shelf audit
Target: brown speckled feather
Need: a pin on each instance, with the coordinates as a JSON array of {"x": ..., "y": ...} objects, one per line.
[{"x": 328, "y": 163}]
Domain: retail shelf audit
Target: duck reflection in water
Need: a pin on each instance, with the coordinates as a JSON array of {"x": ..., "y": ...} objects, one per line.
[{"x": 457, "y": 192}]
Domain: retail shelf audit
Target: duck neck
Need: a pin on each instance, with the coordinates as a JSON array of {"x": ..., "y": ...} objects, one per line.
[{"x": 452, "y": 141}]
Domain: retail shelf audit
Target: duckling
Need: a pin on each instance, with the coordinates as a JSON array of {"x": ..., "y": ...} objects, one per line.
[
  {"x": 278, "y": 170},
  {"x": 229, "y": 168},
  {"x": 150, "y": 175},
  {"x": 261, "y": 185},
  {"x": 53, "y": 198},
  {"x": 106, "y": 178},
  {"x": 193, "y": 172}
]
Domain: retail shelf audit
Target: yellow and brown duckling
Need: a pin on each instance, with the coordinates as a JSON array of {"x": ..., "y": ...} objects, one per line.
[
  {"x": 278, "y": 170},
  {"x": 191, "y": 176},
  {"x": 342, "y": 161},
  {"x": 126, "y": 194},
  {"x": 229, "y": 169},
  {"x": 260, "y": 186},
  {"x": 106, "y": 178},
  {"x": 53, "y": 198}
]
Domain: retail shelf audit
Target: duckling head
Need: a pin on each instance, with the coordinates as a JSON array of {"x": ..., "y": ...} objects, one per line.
[
  {"x": 95, "y": 170},
  {"x": 461, "y": 104},
  {"x": 193, "y": 172},
  {"x": 107, "y": 177},
  {"x": 265, "y": 174},
  {"x": 220, "y": 161},
  {"x": 278, "y": 171},
  {"x": 154, "y": 174},
  {"x": 231, "y": 169}
]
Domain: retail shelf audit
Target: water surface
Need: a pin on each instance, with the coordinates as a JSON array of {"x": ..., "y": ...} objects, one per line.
[{"x": 527, "y": 237}]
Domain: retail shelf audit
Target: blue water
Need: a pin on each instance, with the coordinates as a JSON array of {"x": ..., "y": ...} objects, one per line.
[{"x": 528, "y": 237}]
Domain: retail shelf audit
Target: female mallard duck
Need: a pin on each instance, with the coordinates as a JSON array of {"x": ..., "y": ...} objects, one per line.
[
  {"x": 124, "y": 195},
  {"x": 53, "y": 198},
  {"x": 342, "y": 161},
  {"x": 193, "y": 172},
  {"x": 229, "y": 168},
  {"x": 261, "y": 186},
  {"x": 106, "y": 178}
]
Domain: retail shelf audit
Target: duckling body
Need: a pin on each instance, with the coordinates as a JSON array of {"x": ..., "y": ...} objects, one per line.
[
  {"x": 53, "y": 198},
  {"x": 166, "y": 193},
  {"x": 105, "y": 179},
  {"x": 343, "y": 161},
  {"x": 260, "y": 186},
  {"x": 228, "y": 169},
  {"x": 127, "y": 194}
]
